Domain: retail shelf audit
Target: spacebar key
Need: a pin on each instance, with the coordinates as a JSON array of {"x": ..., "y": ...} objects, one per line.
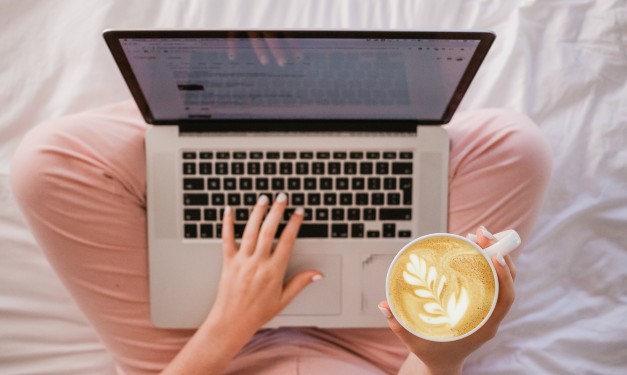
[
  {"x": 395, "y": 214},
  {"x": 313, "y": 231}
]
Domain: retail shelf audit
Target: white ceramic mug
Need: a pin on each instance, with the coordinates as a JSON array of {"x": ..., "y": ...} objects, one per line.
[{"x": 507, "y": 241}]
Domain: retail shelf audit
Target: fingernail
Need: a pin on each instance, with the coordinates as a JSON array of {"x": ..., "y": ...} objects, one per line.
[
  {"x": 299, "y": 211},
  {"x": 262, "y": 200},
  {"x": 385, "y": 312},
  {"x": 487, "y": 234},
  {"x": 281, "y": 197},
  {"x": 500, "y": 259},
  {"x": 472, "y": 237},
  {"x": 227, "y": 210},
  {"x": 316, "y": 278}
]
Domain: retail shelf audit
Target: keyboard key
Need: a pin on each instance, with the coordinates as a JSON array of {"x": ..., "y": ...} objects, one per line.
[
  {"x": 230, "y": 184},
  {"x": 278, "y": 183},
  {"x": 389, "y": 230},
  {"x": 357, "y": 230},
  {"x": 196, "y": 199},
  {"x": 234, "y": 199},
  {"x": 389, "y": 155},
  {"x": 313, "y": 231},
  {"x": 191, "y": 231},
  {"x": 389, "y": 183},
  {"x": 269, "y": 168},
  {"x": 313, "y": 199},
  {"x": 193, "y": 184},
  {"x": 241, "y": 214},
  {"x": 330, "y": 199},
  {"x": 206, "y": 230},
  {"x": 383, "y": 167},
  {"x": 326, "y": 183},
  {"x": 358, "y": 183},
  {"x": 261, "y": 183},
  {"x": 189, "y": 168},
  {"x": 339, "y": 230},
  {"x": 335, "y": 168},
  {"x": 308, "y": 214},
  {"x": 293, "y": 183},
  {"x": 254, "y": 168},
  {"x": 298, "y": 199},
  {"x": 302, "y": 168},
  {"x": 394, "y": 199},
  {"x": 406, "y": 155},
  {"x": 378, "y": 199},
  {"x": 223, "y": 155},
  {"x": 394, "y": 214},
  {"x": 310, "y": 184},
  {"x": 205, "y": 168},
  {"x": 365, "y": 168},
  {"x": 323, "y": 155},
  {"x": 237, "y": 168},
  {"x": 356, "y": 155},
  {"x": 246, "y": 183},
  {"x": 361, "y": 199},
  {"x": 370, "y": 214},
  {"x": 404, "y": 233},
  {"x": 222, "y": 168},
  {"x": 354, "y": 214},
  {"x": 337, "y": 214},
  {"x": 250, "y": 199},
  {"x": 402, "y": 168},
  {"x": 350, "y": 168},
  {"x": 306, "y": 155},
  {"x": 374, "y": 183},
  {"x": 213, "y": 184},
  {"x": 256, "y": 155},
  {"x": 339, "y": 155},
  {"x": 317, "y": 168},
  {"x": 289, "y": 155},
  {"x": 322, "y": 214},
  {"x": 206, "y": 155},
  {"x": 374, "y": 234},
  {"x": 191, "y": 214},
  {"x": 285, "y": 168},
  {"x": 406, "y": 188},
  {"x": 189, "y": 155},
  {"x": 211, "y": 214},
  {"x": 373, "y": 155},
  {"x": 341, "y": 184},
  {"x": 217, "y": 199},
  {"x": 346, "y": 199},
  {"x": 274, "y": 155},
  {"x": 239, "y": 155}
]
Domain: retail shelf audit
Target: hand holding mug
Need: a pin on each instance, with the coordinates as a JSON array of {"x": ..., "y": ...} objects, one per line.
[{"x": 436, "y": 310}]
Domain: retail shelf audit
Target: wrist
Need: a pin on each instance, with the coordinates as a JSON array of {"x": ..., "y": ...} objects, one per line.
[{"x": 445, "y": 369}]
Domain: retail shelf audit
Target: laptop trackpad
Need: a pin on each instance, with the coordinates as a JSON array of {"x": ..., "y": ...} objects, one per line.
[{"x": 322, "y": 297}]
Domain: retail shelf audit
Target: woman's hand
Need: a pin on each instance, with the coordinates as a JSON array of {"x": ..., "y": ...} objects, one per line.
[
  {"x": 251, "y": 286},
  {"x": 251, "y": 290},
  {"x": 448, "y": 357}
]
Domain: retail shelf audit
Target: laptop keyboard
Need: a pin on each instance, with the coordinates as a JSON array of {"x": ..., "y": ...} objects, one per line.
[{"x": 354, "y": 194}]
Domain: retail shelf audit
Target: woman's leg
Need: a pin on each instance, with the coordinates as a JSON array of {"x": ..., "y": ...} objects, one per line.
[{"x": 80, "y": 182}]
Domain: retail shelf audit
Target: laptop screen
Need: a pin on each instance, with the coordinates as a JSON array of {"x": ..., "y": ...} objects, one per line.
[{"x": 178, "y": 76}]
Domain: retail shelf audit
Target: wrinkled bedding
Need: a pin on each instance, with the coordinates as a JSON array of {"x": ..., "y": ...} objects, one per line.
[{"x": 562, "y": 62}]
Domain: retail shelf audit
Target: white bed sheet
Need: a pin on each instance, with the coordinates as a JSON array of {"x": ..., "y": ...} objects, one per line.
[{"x": 563, "y": 62}]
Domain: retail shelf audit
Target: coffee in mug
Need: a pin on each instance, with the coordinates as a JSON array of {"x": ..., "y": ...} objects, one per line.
[{"x": 443, "y": 287}]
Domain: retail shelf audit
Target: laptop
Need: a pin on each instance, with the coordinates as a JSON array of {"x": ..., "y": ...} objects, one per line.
[{"x": 346, "y": 123}]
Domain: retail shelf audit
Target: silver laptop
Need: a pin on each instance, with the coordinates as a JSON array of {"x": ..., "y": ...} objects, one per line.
[{"x": 346, "y": 123}]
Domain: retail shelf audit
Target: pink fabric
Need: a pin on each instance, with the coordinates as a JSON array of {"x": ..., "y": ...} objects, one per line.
[{"x": 80, "y": 181}]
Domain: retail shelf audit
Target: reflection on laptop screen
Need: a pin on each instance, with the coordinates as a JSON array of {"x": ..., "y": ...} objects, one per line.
[{"x": 297, "y": 78}]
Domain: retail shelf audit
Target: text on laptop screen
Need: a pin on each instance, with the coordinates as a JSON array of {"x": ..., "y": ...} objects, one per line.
[{"x": 297, "y": 78}]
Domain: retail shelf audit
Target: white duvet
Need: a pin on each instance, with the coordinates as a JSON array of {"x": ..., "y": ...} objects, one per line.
[{"x": 564, "y": 63}]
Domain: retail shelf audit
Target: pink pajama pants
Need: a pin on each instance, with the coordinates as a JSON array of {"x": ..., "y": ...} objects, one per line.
[{"x": 80, "y": 181}]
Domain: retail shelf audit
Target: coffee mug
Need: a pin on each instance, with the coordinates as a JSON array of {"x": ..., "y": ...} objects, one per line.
[{"x": 444, "y": 287}]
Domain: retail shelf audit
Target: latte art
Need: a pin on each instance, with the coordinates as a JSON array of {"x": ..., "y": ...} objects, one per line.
[{"x": 441, "y": 287}]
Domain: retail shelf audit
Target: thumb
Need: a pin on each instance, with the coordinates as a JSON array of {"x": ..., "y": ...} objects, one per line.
[
  {"x": 297, "y": 284},
  {"x": 400, "y": 331}
]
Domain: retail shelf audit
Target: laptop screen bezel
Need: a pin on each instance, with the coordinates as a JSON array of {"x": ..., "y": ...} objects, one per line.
[{"x": 113, "y": 38}]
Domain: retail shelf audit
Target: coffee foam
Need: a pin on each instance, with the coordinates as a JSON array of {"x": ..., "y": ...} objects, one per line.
[{"x": 441, "y": 287}]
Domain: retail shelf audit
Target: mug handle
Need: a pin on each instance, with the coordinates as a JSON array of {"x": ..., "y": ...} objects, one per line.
[{"x": 507, "y": 242}]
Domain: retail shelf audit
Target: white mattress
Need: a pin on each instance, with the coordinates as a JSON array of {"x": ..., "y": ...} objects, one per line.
[{"x": 563, "y": 62}]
